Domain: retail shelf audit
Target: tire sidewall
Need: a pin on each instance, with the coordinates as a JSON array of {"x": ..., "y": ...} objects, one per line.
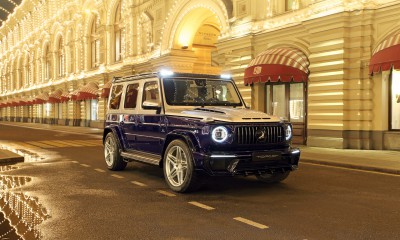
[
  {"x": 117, "y": 163},
  {"x": 190, "y": 167}
]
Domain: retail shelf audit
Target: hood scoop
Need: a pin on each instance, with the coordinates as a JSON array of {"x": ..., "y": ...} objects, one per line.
[{"x": 208, "y": 110}]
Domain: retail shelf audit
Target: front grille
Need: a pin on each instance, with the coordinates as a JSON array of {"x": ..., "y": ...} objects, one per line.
[{"x": 259, "y": 134}]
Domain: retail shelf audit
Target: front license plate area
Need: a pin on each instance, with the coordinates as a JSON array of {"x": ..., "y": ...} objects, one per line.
[{"x": 266, "y": 156}]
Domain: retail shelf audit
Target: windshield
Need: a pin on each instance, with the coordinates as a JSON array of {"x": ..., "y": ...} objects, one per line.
[{"x": 200, "y": 92}]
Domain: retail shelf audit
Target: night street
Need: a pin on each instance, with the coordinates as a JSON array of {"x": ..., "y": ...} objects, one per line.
[{"x": 87, "y": 201}]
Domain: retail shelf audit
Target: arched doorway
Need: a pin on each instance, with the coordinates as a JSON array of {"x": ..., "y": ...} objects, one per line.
[{"x": 192, "y": 32}]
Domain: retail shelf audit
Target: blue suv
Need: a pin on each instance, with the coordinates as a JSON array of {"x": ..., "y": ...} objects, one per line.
[{"x": 193, "y": 125}]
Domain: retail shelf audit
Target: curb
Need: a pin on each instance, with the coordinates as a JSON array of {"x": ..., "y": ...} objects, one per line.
[
  {"x": 8, "y": 157},
  {"x": 352, "y": 166}
]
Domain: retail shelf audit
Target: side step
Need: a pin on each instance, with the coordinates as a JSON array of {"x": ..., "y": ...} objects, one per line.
[{"x": 141, "y": 157}]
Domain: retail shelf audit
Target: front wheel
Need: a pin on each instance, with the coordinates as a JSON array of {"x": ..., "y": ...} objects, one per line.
[
  {"x": 179, "y": 168},
  {"x": 114, "y": 161},
  {"x": 274, "y": 177}
]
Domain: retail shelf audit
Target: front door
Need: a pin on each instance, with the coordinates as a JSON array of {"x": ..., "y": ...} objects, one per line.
[
  {"x": 288, "y": 100},
  {"x": 150, "y": 123}
]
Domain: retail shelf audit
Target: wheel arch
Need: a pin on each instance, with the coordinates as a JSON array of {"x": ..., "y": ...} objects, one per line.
[
  {"x": 186, "y": 137},
  {"x": 118, "y": 135}
]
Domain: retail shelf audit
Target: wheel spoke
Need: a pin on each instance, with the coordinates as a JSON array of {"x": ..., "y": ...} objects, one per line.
[
  {"x": 180, "y": 176},
  {"x": 179, "y": 155},
  {"x": 173, "y": 173},
  {"x": 171, "y": 158}
]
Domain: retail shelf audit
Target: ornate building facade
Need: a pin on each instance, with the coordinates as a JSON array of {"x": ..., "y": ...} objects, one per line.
[{"x": 329, "y": 66}]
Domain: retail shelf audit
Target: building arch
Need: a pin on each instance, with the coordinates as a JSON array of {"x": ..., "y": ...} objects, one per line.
[
  {"x": 145, "y": 41},
  {"x": 178, "y": 23},
  {"x": 297, "y": 44},
  {"x": 118, "y": 31},
  {"x": 393, "y": 30},
  {"x": 59, "y": 56},
  {"x": 27, "y": 69},
  {"x": 70, "y": 45},
  {"x": 91, "y": 41}
]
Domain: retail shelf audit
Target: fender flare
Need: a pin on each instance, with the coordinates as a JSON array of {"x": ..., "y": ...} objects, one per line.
[
  {"x": 118, "y": 135},
  {"x": 188, "y": 137}
]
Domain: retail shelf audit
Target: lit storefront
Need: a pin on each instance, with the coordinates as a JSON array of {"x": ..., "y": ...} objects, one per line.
[
  {"x": 282, "y": 75},
  {"x": 384, "y": 67}
]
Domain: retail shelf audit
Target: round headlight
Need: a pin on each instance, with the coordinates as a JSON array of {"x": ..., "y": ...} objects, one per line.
[
  {"x": 219, "y": 134},
  {"x": 288, "y": 132}
]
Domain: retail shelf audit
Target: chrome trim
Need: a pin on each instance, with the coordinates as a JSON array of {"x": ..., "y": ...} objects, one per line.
[{"x": 223, "y": 156}]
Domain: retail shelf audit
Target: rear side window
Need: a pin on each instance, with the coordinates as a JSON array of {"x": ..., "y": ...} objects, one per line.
[
  {"x": 115, "y": 97},
  {"x": 150, "y": 92},
  {"x": 131, "y": 95}
]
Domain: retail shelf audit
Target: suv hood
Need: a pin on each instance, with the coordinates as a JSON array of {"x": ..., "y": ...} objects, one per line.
[{"x": 226, "y": 114}]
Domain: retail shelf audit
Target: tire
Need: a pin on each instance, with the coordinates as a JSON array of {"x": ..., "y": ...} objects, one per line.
[
  {"x": 113, "y": 160},
  {"x": 274, "y": 177},
  {"x": 178, "y": 168}
]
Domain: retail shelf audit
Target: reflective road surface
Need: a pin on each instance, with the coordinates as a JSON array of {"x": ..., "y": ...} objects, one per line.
[{"x": 63, "y": 190}]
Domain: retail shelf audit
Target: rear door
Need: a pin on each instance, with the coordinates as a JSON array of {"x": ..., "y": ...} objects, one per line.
[
  {"x": 151, "y": 125},
  {"x": 130, "y": 117}
]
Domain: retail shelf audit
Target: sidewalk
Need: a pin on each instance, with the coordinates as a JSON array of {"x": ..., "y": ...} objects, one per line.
[{"x": 371, "y": 160}]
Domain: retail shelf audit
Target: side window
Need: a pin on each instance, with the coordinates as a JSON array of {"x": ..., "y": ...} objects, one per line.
[
  {"x": 131, "y": 95},
  {"x": 115, "y": 97},
  {"x": 150, "y": 92}
]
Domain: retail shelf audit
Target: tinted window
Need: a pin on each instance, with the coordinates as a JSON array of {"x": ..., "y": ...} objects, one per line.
[
  {"x": 195, "y": 92},
  {"x": 131, "y": 95},
  {"x": 150, "y": 92},
  {"x": 115, "y": 97}
]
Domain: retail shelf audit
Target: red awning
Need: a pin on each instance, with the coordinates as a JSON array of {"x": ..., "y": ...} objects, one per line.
[
  {"x": 22, "y": 101},
  {"x": 41, "y": 98},
  {"x": 55, "y": 97},
  {"x": 279, "y": 64},
  {"x": 64, "y": 96},
  {"x": 89, "y": 91},
  {"x": 30, "y": 101},
  {"x": 73, "y": 95},
  {"x": 105, "y": 91},
  {"x": 15, "y": 102},
  {"x": 386, "y": 55}
]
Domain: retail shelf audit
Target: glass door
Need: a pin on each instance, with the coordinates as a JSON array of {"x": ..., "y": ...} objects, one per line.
[{"x": 287, "y": 100}]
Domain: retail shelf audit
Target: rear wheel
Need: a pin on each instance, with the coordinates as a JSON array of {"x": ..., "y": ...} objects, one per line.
[
  {"x": 179, "y": 168},
  {"x": 111, "y": 154},
  {"x": 274, "y": 177}
]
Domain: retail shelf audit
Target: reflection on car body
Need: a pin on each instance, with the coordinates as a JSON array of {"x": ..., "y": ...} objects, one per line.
[{"x": 193, "y": 125}]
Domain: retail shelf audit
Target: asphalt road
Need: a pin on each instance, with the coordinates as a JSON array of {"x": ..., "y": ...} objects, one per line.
[{"x": 87, "y": 201}]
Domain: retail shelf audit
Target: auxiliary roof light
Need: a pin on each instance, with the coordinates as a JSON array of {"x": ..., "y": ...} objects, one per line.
[
  {"x": 165, "y": 72},
  {"x": 225, "y": 76}
]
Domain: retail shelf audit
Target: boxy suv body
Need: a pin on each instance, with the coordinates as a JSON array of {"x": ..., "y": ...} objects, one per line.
[{"x": 193, "y": 125}]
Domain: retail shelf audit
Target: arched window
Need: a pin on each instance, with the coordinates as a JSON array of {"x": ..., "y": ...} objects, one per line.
[
  {"x": 47, "y": 65},
  {"x": 95, "y": 42},
  {"x": 71, "y": 48},
  {"x": 27, "y": 70},
  {"x": 61, "y": 58},
  {"x": 119, "y": 32},
  {"x": 146, "y": 38}
]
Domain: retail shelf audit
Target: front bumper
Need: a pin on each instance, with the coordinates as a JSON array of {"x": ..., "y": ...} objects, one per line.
[{"x": 248, "y": 162}]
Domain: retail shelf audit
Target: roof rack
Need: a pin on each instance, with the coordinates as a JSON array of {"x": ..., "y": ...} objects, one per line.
[
  {"x": 156, "y": 74},
  {"x": 134, "y": 77}
]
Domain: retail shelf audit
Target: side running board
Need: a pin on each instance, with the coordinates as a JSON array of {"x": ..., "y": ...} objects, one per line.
[{"x": 141, "y": 157}]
